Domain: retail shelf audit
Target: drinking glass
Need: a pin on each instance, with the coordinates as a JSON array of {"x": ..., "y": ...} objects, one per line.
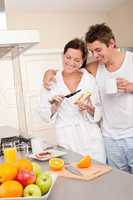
[
  {"x": 37, "y": 145},
  {"x": 10, "y": 154}
]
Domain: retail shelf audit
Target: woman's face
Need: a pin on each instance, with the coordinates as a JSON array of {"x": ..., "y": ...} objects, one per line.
[{"x": 72, "y": 60}]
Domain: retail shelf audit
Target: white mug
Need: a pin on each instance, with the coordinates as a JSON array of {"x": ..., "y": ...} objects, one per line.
[
  {"x": 111, "y": 86},
  {"x": 37, "y": 145}
]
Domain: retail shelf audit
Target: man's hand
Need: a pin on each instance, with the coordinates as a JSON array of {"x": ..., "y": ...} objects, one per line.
[
  {"x": 48, "y": 78},
  {"x": 124, "y": 85}
]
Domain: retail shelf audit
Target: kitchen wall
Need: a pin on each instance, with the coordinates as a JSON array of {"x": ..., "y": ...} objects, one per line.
[
  {"x": 121, "y": 21},
  {"x": 55, "y": 29}
]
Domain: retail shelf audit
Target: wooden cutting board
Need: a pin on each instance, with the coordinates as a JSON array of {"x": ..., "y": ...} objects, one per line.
[{"x": 89, "y": 173}]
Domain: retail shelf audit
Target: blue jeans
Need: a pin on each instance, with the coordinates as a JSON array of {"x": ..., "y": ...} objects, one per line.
[{"x": 120, "y": 153}]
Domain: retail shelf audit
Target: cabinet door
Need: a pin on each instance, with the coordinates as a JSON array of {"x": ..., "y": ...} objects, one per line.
[
  {"x": 8, "y": 109},
  {"x": 33, "y": 67}
]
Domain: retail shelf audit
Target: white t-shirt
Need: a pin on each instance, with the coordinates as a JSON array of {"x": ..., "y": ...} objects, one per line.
[{"x": 117, "y": 108}]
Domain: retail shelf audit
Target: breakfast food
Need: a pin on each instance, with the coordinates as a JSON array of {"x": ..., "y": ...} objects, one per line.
[
  {"x": 56, "y": 163},
  {"x": 83, "y": 98},
  {"x": 24, "y": 179},
  {"x": 7, "y": 172},
  {"x": 43, "y": 155},
  {"x": 24, "y": 164},
  {"x": 85, "y": 162}
]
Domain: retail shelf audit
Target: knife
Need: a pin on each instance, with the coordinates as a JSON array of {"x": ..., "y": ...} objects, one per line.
[
  {"x": 73, "y": 170},
  {"x": 66, "y": 96},
  {"x": 71, "y": 94}
]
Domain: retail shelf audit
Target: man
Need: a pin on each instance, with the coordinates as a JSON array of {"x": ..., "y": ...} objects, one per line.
[{"x": 117, "y": 123}]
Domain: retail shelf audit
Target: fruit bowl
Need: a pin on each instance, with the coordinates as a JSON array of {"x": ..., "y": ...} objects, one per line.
[{"x": 44, "y": 197}]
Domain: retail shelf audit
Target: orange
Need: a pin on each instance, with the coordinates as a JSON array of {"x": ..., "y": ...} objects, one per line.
[
  {"x": 56, "y": 163},
  {"x": 24, "y": 164},
  {"x": 11, "y": 188},
  {"x": 85, "y": 162},
  {"x": 7, "y": 172}
]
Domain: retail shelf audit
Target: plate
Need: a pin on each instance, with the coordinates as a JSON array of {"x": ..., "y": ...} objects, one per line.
[{"x": 47, "y": 154}]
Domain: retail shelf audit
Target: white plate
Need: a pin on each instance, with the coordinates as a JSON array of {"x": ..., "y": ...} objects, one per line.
[
  {"x": 47, "y": 154},
  {"x": 44, "y": 197}
]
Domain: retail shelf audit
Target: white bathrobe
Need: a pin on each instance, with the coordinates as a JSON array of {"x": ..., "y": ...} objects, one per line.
[{"x": 75, "y": 130}]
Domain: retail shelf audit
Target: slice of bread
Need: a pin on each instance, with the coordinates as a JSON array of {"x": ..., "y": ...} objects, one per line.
[{"x": 83, "y": 98}]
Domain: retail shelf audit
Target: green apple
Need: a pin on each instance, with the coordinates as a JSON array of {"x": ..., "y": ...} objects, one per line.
[
  {"x": 36, "y": 169},
  {"x": 44, "y": 181},
  {"x": 32, "y": 190}
]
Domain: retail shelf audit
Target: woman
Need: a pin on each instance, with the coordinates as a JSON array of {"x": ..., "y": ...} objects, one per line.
[{"x": 76, "y": 129}]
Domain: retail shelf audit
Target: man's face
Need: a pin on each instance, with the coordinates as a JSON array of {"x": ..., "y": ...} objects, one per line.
[{"x": 100, "y": 51}]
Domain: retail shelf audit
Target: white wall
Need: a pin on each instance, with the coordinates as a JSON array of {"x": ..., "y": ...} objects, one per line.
[
  {"x": 121, "y": 21},
  {"x": 55, "y": 29}
]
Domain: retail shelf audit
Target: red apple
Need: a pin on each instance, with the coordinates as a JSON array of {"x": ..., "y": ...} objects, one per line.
[{"x": 25, "y": 177}]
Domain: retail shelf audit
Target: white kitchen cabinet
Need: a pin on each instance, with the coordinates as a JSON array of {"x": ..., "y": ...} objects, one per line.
[
  {"x": 34, "y": 64},
  {"x": 12, "y": 45},
  {"x": 20, "y": 83}
]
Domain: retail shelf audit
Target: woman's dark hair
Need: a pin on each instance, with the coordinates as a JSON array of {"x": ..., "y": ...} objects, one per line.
[
  {"x": 78, "y": 44},
  {"x": 100, "y": 32}
]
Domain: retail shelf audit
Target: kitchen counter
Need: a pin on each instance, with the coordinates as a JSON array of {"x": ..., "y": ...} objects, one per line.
[{"x": 115, "y": 185}]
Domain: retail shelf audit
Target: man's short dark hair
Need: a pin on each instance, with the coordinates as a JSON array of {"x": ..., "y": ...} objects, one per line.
[{"x": 100, "y": 32}]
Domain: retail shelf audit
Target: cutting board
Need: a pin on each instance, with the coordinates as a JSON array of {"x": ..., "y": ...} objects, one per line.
[{"x": 92, "y": 172}]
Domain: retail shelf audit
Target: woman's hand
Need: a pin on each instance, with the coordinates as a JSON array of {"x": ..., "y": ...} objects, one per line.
[
  {"x": 124, "y": 85},
  {"x": 56, "y": 102},
  {"x": 48, "y": 78},
  {"x": 88, "y": 106}
]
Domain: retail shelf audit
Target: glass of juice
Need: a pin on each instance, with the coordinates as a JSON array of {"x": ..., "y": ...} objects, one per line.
[{"x": 10, "y": 154}]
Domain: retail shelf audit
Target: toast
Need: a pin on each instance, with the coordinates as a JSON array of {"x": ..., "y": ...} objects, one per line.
[{"x": 83, "y": 98}]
